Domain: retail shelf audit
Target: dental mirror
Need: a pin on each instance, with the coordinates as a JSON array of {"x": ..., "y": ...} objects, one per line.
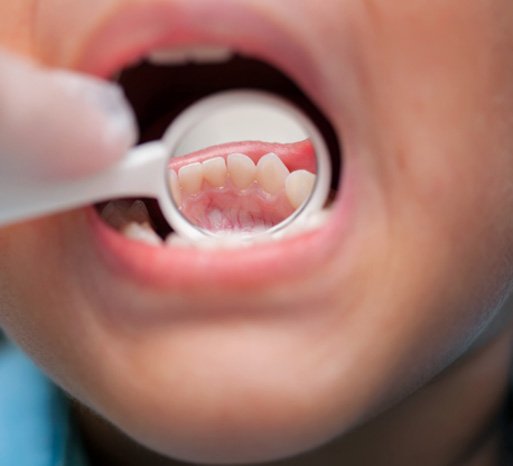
[
  {"x": 243, "y": 163},
  {"x": 237, "y": 163}
]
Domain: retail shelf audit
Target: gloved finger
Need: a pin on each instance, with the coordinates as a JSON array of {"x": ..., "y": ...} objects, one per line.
[{"x": 56, "y": 124}]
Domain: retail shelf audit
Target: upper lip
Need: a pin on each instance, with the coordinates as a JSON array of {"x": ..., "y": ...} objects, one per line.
[{"x": 128, "y": 35}]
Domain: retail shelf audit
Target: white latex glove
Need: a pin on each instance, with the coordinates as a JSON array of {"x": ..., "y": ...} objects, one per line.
[{"x": 58, "y": 124}]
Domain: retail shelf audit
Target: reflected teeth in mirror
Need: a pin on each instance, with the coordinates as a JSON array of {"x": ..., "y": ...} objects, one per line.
[
  {"x": 198, "y": 54},
  {"x": 191, "y": 177},
  {"x": 214, "y": 171},
  {"x": 143, "y": 233},
  {"x": 298, "y": 187},
  {"x": 271, "y": 173},
  {"x": 174, "y": 185},
  {"x": 242, "y": 170}
]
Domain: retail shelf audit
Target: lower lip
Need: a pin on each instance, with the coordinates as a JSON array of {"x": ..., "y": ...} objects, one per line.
[{"x": 166, "y": 268}]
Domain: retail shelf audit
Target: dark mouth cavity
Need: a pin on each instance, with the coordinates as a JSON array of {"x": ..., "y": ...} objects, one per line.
[{"x": 159, "y": 93}]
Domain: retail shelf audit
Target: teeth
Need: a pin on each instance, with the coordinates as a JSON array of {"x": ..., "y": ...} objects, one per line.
[
  {"x": 226, "y": 241},
  {"x": 169, "y": 57},
  {"x": 119, "y": 213},
  {"x": 175, "y": 187},
  {"x": 242, "y": 170},
  {"x": 191, "y": 177},
  {"x": 271, "y": 173},
  {"x": 211, "y": 54},
  {"x": 312, "y": 222},
  {"x": 198, "y": 54},
  {"x": 298, "y": 187},
  {"x": 174, "y": 240},
  {"x": 143, "y": 233},
  {"x": 214, "y": 171}
]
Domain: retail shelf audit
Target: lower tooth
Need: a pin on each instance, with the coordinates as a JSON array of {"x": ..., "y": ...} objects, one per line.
[
  {"x": 174, "y": 240},
  {"x": 221, "y": 241},
  {"x": 228, "y": 241},
  {"x": 235, "y": 240},
  {"x": 312, "y": 222},
  {"x": 141, "y": 232}
]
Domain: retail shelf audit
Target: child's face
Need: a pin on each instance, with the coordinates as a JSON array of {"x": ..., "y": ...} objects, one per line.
[{"x": 270, "y": 351}]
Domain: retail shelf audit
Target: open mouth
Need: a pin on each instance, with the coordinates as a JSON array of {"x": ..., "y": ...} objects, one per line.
[
  {"x": 168, "y": 55},
  {"x": 244, "y": 186}
]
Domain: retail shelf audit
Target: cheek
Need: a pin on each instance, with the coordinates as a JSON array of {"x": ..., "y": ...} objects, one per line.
[
  {"x": 436, "y": 105},
  {"x": 38, "y": 295}
]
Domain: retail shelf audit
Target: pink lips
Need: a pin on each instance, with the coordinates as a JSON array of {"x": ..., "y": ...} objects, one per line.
[
  {"x": 187, "y": 269},
  {"x": 134, "y": 29},
  {"x": 129, "y": 34}
]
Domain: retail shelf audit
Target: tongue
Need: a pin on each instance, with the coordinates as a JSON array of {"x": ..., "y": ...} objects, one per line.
[{"x": 245, "y": 186}]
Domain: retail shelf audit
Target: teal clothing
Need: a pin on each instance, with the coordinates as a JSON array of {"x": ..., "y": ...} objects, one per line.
[{"x": 35, "y": 427}]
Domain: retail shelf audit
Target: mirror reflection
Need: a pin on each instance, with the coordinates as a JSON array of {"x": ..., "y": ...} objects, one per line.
[{"x": 242, "y": 169}]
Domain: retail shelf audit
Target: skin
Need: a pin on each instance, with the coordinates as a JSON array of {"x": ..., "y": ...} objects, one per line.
[{"x": 389, "y": 336}]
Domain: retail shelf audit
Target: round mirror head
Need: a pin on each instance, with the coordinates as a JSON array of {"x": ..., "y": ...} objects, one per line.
[{"x": 244, "y": 163}]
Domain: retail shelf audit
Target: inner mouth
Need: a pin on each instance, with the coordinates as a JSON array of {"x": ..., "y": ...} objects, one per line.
[{"x": 159, "y": 89}]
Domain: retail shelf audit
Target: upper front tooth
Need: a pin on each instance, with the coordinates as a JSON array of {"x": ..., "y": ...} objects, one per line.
[
  {"x": 209, "y": 54},
  {"x": 271, "y": 173},
  {"x": 298, "y": 187},
  {"x": 191, "y": 177},
  {"x": 214, "y": 171},
  {"x": 242, "y": 170},
  {"x": 198, "y": 54},
  {"x": 169, "y": 56}
]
